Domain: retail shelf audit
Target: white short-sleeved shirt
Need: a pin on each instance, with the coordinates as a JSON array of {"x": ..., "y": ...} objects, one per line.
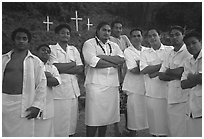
[
  {"x": 172, "y": 61},
  {"x": 69, "y": 88},
  {"x": 133, "y": 83},
  {"x": 154, "y": 86},
  {"x": 48, "y": 112},
  {"x": 194, "y": 66},
  {"x": 101, "y": 76},
  {"x": 123, "y": 42}
]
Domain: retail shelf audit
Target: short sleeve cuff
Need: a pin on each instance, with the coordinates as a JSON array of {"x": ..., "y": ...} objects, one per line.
[{"x": 94, "y": 61}]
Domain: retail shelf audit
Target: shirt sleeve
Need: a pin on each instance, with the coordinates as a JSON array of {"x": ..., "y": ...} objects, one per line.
[
  {"x": 77, "y": 57},
  {"x": 53, "y": 55},
  {"x": 165, "y": 64},
  {"x": 41, "y": 85},
  {"x": 185, "y": 73},
  {"x": 119, "y": 52},
  {"x": 56, "y": 74},
  {"x": 143, "y": 61},
  {"x": 129, "y": 59},
  {"x": 89, "y": 53}
]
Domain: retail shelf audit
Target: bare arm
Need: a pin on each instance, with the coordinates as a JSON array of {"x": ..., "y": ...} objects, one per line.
[
  {"x": 151, "y": 69},
  {"x": 191, "y": 81},
  {"x": 76, "y": 70},
  {"x": 105, "y": 64},
  {"x": 135, "y": 70},
  {"x": 51, "y": 81},
  {"x": 177, "y": 72},
  {"x": 165, "y": 77},
  {"x": 112, "y": 59},
  {"x": 64, "y": 67}
]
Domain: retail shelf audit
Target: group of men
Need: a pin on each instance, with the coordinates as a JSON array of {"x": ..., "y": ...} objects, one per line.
[{"x": 163, "y": 84}]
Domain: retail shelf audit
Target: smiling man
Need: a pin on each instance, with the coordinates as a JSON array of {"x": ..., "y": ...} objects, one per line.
[{"x": 68, "y": 62}]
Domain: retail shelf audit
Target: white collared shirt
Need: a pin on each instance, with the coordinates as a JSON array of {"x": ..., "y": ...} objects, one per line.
[
  {"x": 101, "y": 76},
  {"x": 154, "y": 86},
  {"x": 34, "y": 81},
  {"x": 69, "y": 88},
  {"x": 172, "y": 61},
  {"x": 133, "y": 83},
  {"x": 194, "y": 66},
  {"x": 48, "y": 111},
  {"x": 123, "y": 42}
]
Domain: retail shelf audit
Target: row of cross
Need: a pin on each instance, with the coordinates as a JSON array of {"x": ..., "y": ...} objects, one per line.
[{"x": 48, "y": 22}]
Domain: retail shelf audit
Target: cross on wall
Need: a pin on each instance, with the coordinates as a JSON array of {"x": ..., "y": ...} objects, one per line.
[
  {"x": 77, "y": 19},
  {"x": 88, "y": 24},
  {"x": 48, "y": 23}
]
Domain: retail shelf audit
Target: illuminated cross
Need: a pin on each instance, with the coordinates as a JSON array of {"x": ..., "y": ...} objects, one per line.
[
  {"x": 48, "y": 23},
  {"x": 89, "y": 24},
  {"x": 76, "y": 18}
]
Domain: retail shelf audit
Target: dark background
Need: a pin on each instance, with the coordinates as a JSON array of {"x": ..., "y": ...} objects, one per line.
[{"x": 133, "y": 14}]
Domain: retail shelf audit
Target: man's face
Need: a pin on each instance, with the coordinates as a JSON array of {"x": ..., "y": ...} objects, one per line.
[
  {"x": 21, "y": 41},
  {"x": 176, "y": 37},
  {"x": 193, "y": 45},
  {"x": 64, "y": 35},
  {"x": 136, "y": 37},
  {"x": 153, "y": 37},
  {"x": 104, "y": 32},
  {"x": 44, "y": 53},
  {"x": 117, "y": 29}
]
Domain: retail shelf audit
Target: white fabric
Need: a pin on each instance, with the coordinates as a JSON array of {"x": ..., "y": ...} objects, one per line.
[
  {"x": 13, "y": 125},
  {"x": 69, "y": 81},
  {"x": 102, "y": 105},
  {"x": 194, "y": 127},
  {"x": 34, "y": 81},
  {"x": 65, "y": 118},
  {"x": 48, "y": 111},
  {"x": 123, "y": 42},
  {"x": 66, "y": 94},
  {"x": 172, "y": 61},
  {"x": 157, "y": 116},
  {"x": 195, "y": 101},
  {"x": 133, "y": 83},
  {"x": 177, "y": 119},
  {"x": 136, "y": 112},
  {"x": 154, "y": 87},
  {"x": 44, "y": 128},
  {"x": 103, "y": 76}
]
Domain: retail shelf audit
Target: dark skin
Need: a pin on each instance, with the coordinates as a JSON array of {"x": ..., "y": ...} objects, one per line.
[
  {"x": 194, "y": 47},
  {"x": 171, "y": 74},
  {"x": 66, "y": 68},
  {"x": 44, "y": 55},
  {"x": 14, "y": 71},
  {"x": 105, "y": 61},
  {"x": 152, "y": 70}
]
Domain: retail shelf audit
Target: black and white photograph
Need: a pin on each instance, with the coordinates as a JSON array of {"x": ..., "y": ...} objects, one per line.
[{"x": 101, "y": 69}]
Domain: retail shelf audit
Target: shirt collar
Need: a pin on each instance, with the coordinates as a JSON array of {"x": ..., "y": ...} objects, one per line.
[
  {"x": 29, "y": 54},
  {"x": 199, "y": 55},
  {"x": 183, "y": 47},
  {"x": 99, "y": 41},
  {"x": 60, "y": 48},
  {"x": 162, "y": 47}
]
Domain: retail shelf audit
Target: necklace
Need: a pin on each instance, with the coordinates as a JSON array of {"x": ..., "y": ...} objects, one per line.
[{"x": 98, "y": 43}]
